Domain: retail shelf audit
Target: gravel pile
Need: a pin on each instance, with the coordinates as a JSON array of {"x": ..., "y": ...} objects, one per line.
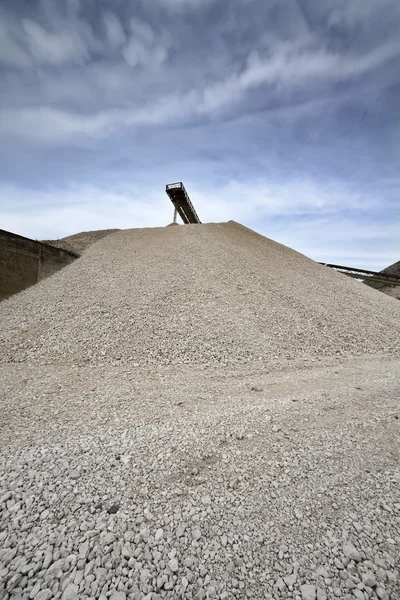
[
  {"x": 393, "y": 291},
  {"x": 80, "y": 242},
  {"x": 390, "y": 290},
  {"x": 198, "y": 294},
  {"x": 157, "y": 443}
]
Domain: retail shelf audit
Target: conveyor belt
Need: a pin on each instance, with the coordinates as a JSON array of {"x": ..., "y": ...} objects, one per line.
[
  {"x": 180, "y": 199},
  {"x": 365, "y": 274}
]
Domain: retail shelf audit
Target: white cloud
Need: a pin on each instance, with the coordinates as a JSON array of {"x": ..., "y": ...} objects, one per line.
[
  {"x": 51, "y": 125},
  {"x": 142, "y": 49},
  {"x": 142, "y": 31},
  {"x": 291, "y": 65},
  {"x": 114, "y": 30},
  {"x": 358, "y": 12},
  {"x": 54, "y": 48},
  {"x": 294, "y": 198},
  {"x": 11, "y": 51}
]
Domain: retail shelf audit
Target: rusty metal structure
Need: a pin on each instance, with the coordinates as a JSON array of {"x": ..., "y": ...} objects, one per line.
[
  {"x": 364, "y": 274},
  {"x": 182, "y": 203}
]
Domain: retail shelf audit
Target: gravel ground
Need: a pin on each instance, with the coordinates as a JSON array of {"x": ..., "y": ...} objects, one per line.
[
  {"x": 196, "y": 294},
  {"x": 197, "y": 483},
  {"x": 182, "y": 415}
]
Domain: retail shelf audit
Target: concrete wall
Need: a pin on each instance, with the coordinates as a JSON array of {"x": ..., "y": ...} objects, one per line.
[{"x": 24, "y": 262}]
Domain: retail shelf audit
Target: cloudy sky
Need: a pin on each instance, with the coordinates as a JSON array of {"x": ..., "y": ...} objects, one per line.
[{"x": 281, "y": 114}]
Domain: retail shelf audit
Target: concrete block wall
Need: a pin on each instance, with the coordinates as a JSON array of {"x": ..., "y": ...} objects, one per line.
[{"x": 24, "y": 262}]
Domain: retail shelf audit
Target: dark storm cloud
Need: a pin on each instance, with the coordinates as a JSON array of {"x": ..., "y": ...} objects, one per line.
[{"x": 250, "y": 94}]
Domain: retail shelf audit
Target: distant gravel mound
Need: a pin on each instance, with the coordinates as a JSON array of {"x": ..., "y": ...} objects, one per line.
[
  {"x": 197, "y": 294},
  {"x": 393, "y": 291},
  {"x": 80, "y": 242},
  {"x": 390, "y": 290}
]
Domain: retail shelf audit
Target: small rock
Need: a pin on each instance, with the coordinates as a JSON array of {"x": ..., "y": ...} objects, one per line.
[
  {"x": 48, "y": 557},
  {"x": 70, "y": 592},
  {"x": 118, "y": 596},
  {"x": 84, "y": 550},
  {"x": 148, "y": 515},
  {"x": 180, "y": 531},
  {"x": 6, "y": 497},
  {"x": 196, "y": 534},
  {"x": 44, "y": 595},
  {"x": 101, "y": 574},
  {"x": 173, "y": 565},
  {"x": 308, "y": 592},
  {"x": 382, "y": 594},
  {"x": 280, "y": 584},
  {"x": 109, "y": 538},
  {"x": 58, "y": 565},
  {"x": 290, "y": 579},
  {"x": 323, "y": 572},
  {"x": 391, "y": 577},
  {"x": 358, "y": 594},
  {"x": 349, "y": 584},
  {"x": 14, "y": 581},
  {"x": 351, "y": 552},
  {"x": 169, "y": 586},
  {"x": 113, "y": 509},
  {"x": 161, "y": 581},
  {"x": 321, "y": 594},
  {"x": 369, "y": 579},
  {"x": 35, "y": 590}
]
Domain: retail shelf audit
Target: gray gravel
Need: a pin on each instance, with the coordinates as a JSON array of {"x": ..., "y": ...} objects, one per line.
[
  {"x": 220, "y": 491},
  {"x": 211, "y": 475}
]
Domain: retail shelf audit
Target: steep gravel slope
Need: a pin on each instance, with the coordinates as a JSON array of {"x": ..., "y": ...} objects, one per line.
[
  {"x": 80, "y": 242},
  {"x": 216, "y": 293}
]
